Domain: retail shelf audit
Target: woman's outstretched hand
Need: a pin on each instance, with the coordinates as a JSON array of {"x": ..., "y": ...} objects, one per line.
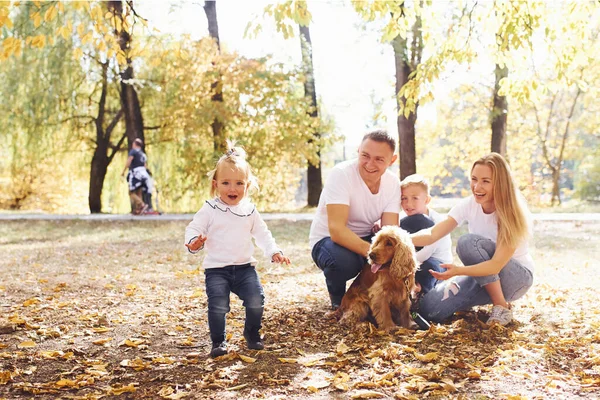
[
  {"x": 196, "y": 244},
  {"x": 450, "y": 271}
]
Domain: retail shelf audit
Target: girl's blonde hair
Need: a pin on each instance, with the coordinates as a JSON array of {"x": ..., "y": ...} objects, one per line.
[
  {"x": 236, "y": 156},
  {"x": 513, "y": 225}
]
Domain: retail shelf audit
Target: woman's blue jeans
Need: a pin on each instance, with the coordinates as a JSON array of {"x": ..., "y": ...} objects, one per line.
[
  {"x": 463, "y": 292},
  {"x": 241, "y": 280}
]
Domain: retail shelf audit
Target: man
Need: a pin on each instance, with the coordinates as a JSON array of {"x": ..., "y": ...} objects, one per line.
[
  {"x": 357, "y": 194},
  {"x": 137, "y": 177}
]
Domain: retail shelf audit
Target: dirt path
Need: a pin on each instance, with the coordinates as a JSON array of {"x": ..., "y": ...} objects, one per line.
[{"x": 100, "y": 309}]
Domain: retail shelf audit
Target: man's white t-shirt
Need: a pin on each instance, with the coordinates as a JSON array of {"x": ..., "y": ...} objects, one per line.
[
  {"x": 486, "y": 225},
  {"x": 345, "y": 186}
]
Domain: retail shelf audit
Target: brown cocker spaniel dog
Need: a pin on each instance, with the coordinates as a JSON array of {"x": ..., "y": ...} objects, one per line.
[{"x": 382, "y": 289}]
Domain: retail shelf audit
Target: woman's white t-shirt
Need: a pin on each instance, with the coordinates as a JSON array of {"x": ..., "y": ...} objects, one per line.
[
  {"x": 486, "y": 225},
  {"x": 345, "y": 186}
]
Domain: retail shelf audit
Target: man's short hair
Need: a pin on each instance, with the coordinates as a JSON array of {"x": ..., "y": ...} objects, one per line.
[
  {"x": 138, "y": 141},
  {"x": 416, "y": 179},
  {"x": 381, "y": 136}
]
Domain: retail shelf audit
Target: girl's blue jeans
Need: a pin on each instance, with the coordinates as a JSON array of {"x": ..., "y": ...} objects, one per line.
[
  {"x": 463, "y": 292},
  {"x": 241, "y": 280}
]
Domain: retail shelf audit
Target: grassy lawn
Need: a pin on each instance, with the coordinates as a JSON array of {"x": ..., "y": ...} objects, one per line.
[{"x": 93, "y": 309}]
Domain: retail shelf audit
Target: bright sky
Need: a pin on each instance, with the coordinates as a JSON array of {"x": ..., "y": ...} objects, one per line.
[
  {"x": 354, "y": 71},
  {"x": 352, "y": 68}
]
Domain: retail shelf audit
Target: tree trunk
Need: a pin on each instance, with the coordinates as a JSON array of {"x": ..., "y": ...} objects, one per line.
[
  {"x": 134, "y": 123},
  {"x": 313, "y": 172},
  {"x": 555, "y": 186},
  {"x": 499, "y": 114},
  {"x": 219, "y": 143},
  {"x": 405, "y": 65},
  {"x": 97, "y": 176},
  {"x": 101, "y": 159}
]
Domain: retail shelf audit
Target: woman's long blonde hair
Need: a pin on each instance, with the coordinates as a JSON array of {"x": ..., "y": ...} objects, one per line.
[
  {"x": 513, "y": 225},
  {"x": 236, "y": 156}
]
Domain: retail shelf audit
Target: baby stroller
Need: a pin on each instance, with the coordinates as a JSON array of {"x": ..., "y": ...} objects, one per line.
[
  {"x": 145, "y": 182},
  {"x": 148, "y": 187}
]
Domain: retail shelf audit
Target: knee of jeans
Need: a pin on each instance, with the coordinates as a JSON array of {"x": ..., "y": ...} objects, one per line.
[
  {"x": 218, "y": 304},
  {"x": 519, "y": 292},
  {"x": 471, "y": 248},
  {"x": 256, "y": 301},
  {"x": 465, "y": 242},
  {"x": 438, "y": 304}
]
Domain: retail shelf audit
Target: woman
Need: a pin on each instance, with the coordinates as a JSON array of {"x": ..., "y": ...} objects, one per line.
[{"x": 497, "y": 265}]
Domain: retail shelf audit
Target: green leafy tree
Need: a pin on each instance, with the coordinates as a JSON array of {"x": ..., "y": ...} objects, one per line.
[{"x": 297, "y": 12}]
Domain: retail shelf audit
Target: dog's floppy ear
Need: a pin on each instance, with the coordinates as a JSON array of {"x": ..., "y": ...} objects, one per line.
[{"x": 404, "y": 261}]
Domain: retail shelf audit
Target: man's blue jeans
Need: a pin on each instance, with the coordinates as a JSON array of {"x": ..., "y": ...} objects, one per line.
[
  {"x": 338, "y": 264},
  {"x": 241, "y": 280},
  {"x": 463, "y": 292}
]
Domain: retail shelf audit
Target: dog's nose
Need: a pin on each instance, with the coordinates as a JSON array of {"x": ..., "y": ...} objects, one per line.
[{"x": 371, "y": 256}]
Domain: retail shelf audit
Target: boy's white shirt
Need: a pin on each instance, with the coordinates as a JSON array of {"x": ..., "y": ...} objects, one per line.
[
  {"x": 486, "y": 225},
  {"x": 345, "y": 186},
  {"x": 442, "y": 249},
  {"x": 229, "y": 231}
]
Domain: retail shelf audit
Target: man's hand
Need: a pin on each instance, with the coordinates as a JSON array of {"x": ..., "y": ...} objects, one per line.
[
  {"x": 280, "y": 259},
  {"x": 196, "y": 244},
  {"x": 451, "y": 270}
]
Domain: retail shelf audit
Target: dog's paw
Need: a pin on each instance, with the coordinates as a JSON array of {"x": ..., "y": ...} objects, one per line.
[
  {"x": 413, "y": 325},
  {"x": 389, "y": 328}
]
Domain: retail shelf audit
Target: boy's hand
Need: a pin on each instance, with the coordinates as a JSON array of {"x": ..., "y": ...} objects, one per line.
[
  {"x": 376, "y": 228},
  {"x": 196, "y": 244},
  {"x": 280, "y": 258}
]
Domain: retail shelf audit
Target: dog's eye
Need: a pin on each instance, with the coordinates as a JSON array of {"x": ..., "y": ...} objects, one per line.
[{"x": 389, "y": 243}]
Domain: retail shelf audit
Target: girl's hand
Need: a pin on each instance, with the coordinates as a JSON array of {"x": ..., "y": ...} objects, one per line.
[
  {"x": 280, "y": 258},
  {"x": 196, "y": 244},
  {"x": 451, "y": 270}
]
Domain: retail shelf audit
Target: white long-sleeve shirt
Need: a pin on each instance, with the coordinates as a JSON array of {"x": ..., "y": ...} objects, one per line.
[
  {"x": 229, "y": 231},
  {"x": 442, "y": 249}
]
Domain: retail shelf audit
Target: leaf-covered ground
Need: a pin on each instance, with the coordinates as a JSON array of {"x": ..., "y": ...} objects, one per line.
[{"x": 118, "y": 309}]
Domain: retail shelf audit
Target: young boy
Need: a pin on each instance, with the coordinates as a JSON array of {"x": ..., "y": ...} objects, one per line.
[{"x": 414, "y": 200}]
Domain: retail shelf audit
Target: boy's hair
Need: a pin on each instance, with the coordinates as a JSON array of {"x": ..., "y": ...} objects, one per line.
[
  {"x": 513, "y": 226},
  {"x": 381, "y": 136},
  {"x": 138, "y": 141},
  {"x": 416, "y": 179},
  {"x": 236, "y": 156}
]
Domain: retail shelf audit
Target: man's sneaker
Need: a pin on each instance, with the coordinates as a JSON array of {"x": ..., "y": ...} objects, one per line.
[
  {"x": 254, "y": 341},
  {"x": 500, "y": 316},
  {"x": 335, "y": 301},
  {"x": 218, "y": 349}
]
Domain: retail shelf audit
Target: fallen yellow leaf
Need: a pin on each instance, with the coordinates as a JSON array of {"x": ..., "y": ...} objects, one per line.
[
  {"x": 102, "y": 342},
  {"x": 367, "y": 394},
  {"x": 288, "y": 360},
  {"x": 341, "y": 348},
  {"x": 26, "y": 344},
  {"x": 426, "y": 357},
  {"x": 66, "y": 383},
  {"x": 246, "y": 358},
  {"x": 121, "y": 389},
  {"x": 132, "y": 342},
  {"x": 30, "y": 302}
]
